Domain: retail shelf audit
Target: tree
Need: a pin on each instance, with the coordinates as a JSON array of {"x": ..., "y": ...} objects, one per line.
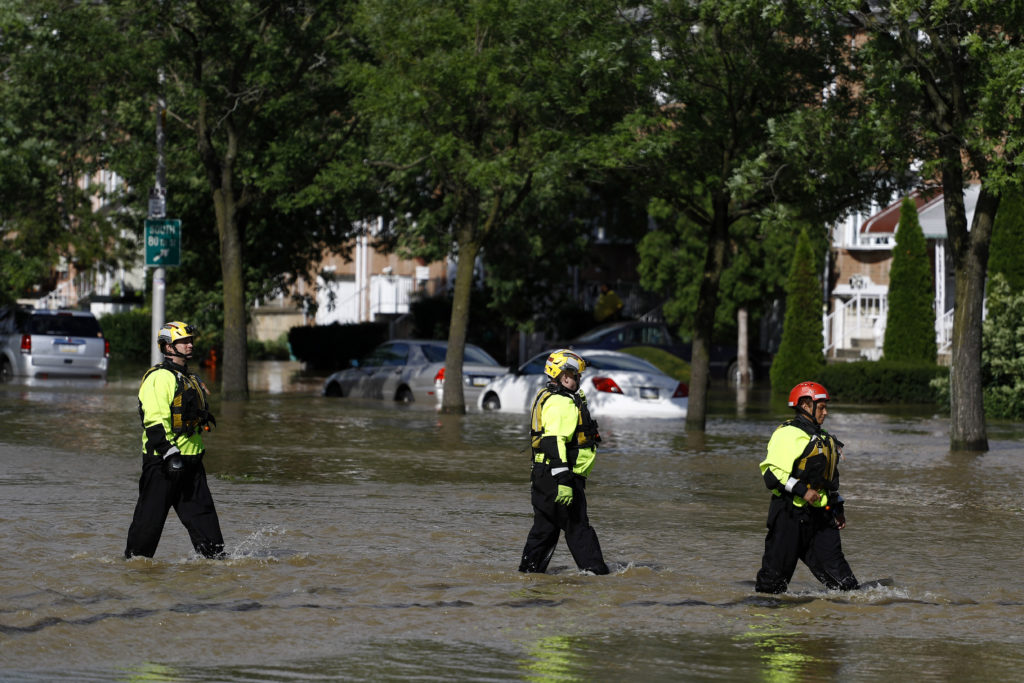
[
  {"x": 800, "y": 357},
  {"x": 1007, "y": 251},
  {"x": 741, "y": 131},
  {"x": 1002, "y": 353},
  {"x": 478, "y": 107},
  {"x": 54, "y": 109},
  {"x": 259, "y": 88},
  {"x": 910, "y": 322},
  {"x": 257, "y": 95},
  {"x": 947, "y": 76}
]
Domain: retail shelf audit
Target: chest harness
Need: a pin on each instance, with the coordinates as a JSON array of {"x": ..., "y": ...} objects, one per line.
[
  {"x": 818, "y": 464},
  {"x": 190, "y": 411},
  {"x": 585, "y": 435}
]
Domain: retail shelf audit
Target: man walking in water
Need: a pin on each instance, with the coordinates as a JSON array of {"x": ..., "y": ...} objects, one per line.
[
  {"x": 806, "y": 511},
  {"x": 564, "y": 442},
  {"x": 174, "y": 411}
]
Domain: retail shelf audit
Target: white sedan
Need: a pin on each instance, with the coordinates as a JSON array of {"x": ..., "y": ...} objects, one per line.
[
  {"x": 408, "y": 370},
  {"x": 615, "y": 384}
]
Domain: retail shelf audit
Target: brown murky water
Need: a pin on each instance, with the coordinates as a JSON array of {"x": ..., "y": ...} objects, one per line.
[{"x": 377, "y": 541}]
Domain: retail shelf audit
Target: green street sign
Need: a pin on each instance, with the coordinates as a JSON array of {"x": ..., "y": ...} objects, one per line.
[{"x": 163, "y": 242}]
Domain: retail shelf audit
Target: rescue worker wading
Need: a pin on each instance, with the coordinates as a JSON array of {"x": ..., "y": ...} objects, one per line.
[
  {"x": 806, "y": 511},
  {"x": 174, "y": 411},
  {"x": 564, "y": 443}
]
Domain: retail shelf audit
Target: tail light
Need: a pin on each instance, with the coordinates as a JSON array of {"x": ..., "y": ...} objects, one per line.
[
  {"x": 607, "y": 385},
  {"x": 26, "y": 343},
  {"x": 106, "y": 348},
  {"x": 439, "y": 377},
  {"x": 682, "y": 391}
]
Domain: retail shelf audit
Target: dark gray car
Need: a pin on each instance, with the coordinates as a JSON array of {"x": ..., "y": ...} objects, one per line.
[{"x": 51, "y": 344}]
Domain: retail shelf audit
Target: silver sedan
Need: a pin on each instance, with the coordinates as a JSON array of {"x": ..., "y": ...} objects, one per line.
[
  {"x": 615, "y": 384},
  {"x": 408, "y": 370}
]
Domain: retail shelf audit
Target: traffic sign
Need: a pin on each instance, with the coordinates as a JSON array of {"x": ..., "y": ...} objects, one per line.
[{"x": 163, "y": 242}]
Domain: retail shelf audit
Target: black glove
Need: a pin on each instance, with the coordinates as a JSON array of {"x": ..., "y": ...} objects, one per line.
[{"x": 173, "y": 465}]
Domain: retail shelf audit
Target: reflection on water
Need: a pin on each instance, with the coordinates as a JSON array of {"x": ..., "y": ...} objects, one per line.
[{"x": 369, "y": 540}]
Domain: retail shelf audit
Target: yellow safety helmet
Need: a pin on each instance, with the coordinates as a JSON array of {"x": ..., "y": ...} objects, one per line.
[
  {"x": 562, "y": 360},
  {"x": 175, "y": 331}
]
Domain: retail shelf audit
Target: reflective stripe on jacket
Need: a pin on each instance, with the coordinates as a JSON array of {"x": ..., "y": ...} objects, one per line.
[{"x": 562, "y": 432}]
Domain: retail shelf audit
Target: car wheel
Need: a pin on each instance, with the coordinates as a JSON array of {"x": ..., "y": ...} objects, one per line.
[
  {"x": 333, "y": 390},
  {"x": 404, "y": 395},
  {"x": 492, "y": 402},
  {"x": 6, "y": 373}
]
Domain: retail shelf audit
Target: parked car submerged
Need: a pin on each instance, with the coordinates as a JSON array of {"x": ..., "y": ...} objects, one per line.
[
  {"x": 51, "y": 344},
  {"x": 615, "y": 384},
  {"x": 619, "y": 335},
  {"x": 410, "y": 370}
]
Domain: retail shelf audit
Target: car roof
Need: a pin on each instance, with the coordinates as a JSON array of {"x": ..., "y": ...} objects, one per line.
[
  {"x": 61, "y": 311},
  {"x": 435, "y": 342}
]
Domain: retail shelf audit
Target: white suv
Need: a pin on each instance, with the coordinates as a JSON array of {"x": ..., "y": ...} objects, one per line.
[{"x": 45, "y": 344}]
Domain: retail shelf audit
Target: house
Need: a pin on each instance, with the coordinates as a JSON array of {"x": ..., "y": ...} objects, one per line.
[
  {"x": 367, "y": 285},
  {"x": 857, "y": 274}
]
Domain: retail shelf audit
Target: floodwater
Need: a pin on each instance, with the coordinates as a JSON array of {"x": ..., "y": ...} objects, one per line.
[{"x": 372, "y": 541}]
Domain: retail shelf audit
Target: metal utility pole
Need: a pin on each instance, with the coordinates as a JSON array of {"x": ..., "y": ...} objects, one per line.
[{"x": 158, "y": 209}]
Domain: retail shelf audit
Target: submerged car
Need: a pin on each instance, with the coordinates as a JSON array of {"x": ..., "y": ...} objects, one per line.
[
  {"x": 615, "y": 384},
  {"x": 408, "y": 370},
  {"x": 49, "y": 344},
  {"x": 723, "y": 362}
]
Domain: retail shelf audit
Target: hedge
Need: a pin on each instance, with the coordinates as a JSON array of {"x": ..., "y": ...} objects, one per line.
[
  {"x": 327, "y": 348},
  {"x": 883, "y": 381},
  {"x": 129, "y": 334}
]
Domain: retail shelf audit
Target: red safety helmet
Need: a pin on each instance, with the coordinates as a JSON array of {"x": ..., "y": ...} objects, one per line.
[{"x": 811, "y": 390}]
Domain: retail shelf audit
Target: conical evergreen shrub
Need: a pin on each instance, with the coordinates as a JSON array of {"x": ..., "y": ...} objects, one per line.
[
  {"x": 801, "y": 352},
  {"x": 910, "y": 323},
  {"x": 1006, "y": 251}
]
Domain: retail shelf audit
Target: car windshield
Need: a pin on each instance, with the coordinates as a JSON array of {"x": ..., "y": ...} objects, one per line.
[
  {"x": 436, "y": 353},
  {"x": 64, "y": 325}
]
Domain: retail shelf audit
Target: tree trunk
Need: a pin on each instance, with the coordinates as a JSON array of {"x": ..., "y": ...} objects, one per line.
[
  {"x": 454, "y": 399},
  {"x": 970, "y": 258},
  {"x": 704, "y": 323},
  {"x": 742, "y": 347},
  {"x": 234, "y": 373},
  {"x": 219, "y": 173}
]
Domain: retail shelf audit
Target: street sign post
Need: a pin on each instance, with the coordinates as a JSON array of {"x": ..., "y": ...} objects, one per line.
[{"x": 163, "y": 242}]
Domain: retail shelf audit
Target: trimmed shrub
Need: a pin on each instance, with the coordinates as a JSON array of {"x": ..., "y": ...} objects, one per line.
[
  {"x": 326, "y": 348},
  {"x": 800, "y": 355},
  {"x": 1006, "y": 251},
  {"x": 883, "y": 381},
  {"x": 129, "y": 334},
  {"x": 910, "y": 324},
  {"x": 1002, "y": 351},
  {"x": 274, "y": 349}
]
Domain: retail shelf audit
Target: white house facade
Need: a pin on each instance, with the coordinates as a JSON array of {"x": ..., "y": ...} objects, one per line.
[{"x": 858, "y": 276}]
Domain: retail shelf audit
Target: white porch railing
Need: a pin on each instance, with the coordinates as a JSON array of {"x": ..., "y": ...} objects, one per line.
[
  {"x": 856, "y": 323},
  {"x": 859, "y": 324},
  {"x": 944, "y": 332}
]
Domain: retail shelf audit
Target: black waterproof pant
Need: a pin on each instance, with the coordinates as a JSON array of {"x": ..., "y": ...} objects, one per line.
[
  {"x": 807, "y": 534},
  {"x": 550, "y": 517},
  {"x": 190, "y": 497}
]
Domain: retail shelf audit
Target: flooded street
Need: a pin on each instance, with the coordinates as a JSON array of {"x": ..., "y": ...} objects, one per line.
[{"x": 369, "y": 540}]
